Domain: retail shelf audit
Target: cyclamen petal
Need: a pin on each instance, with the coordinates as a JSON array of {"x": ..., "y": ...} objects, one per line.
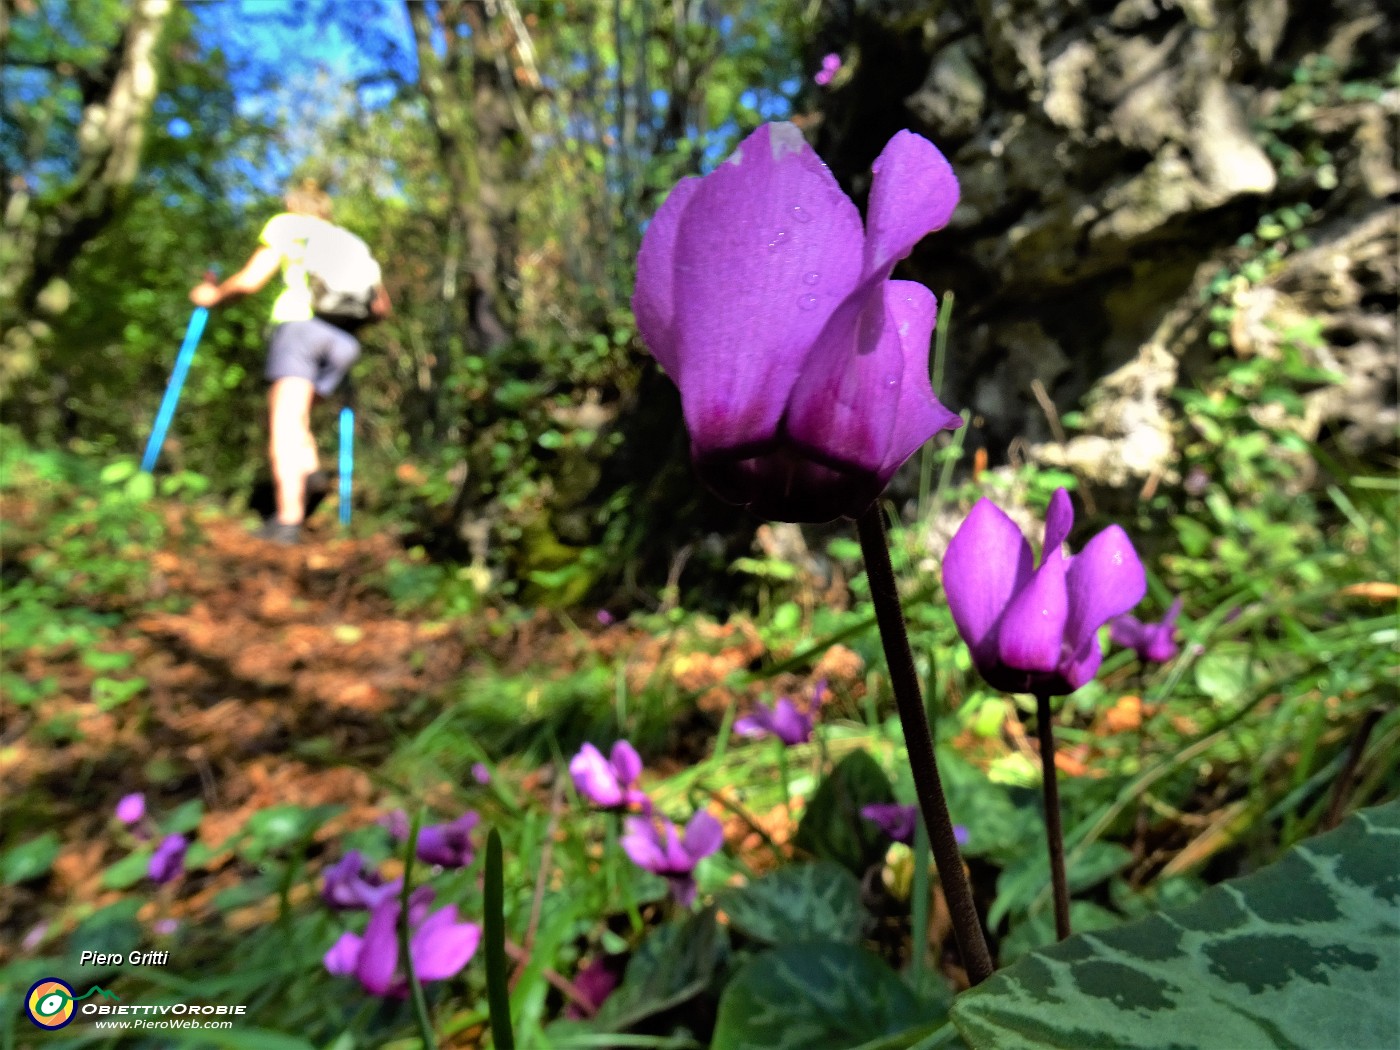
[
  {"x": 609, "y": 782},
  {"x": 448, "y": 845},
  {"x": 343, "y": 956},
  {"x": 379, "y": 949},
  {"x": 1035, "y": 630},
  {"x": 804, "y": 384},
  {"x": 745, "y": 318},
  {"x": 987, "y": 561},
  {"x": 896, "y": 821},
  {"x": 1032, "y": 628},
  {"x": 913, "y": 192},
  {"x": 131, "y": 808},
  {"x": 1153, "y": 642},
  {"x": 656, "y": 845},
  {"x": 1105, "y": 579},
  {"x": 441, "y": 946},
  {"x": 168, "y": 861}
]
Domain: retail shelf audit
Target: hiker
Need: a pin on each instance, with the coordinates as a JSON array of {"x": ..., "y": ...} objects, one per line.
[{"x": 310, "y": 350}]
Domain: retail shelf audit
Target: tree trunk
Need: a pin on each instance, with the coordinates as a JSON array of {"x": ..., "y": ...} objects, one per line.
[
  {"x": 476, "y": 120},
  {"x": 41, "y": 240}
]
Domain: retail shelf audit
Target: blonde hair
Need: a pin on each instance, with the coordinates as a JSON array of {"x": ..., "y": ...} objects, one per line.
[{"x": 309, "y": 199}]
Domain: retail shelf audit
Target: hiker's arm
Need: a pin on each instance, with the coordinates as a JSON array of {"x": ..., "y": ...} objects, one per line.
[
  {"x": 256, "y": 272},
  {"x": 380, "y": 306}
]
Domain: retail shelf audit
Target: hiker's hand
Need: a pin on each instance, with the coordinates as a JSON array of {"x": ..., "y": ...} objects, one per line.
[{"x": 205, "y": 294}]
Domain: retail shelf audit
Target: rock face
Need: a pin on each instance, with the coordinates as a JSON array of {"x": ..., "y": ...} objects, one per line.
[{"x": 1112, "y": 156}]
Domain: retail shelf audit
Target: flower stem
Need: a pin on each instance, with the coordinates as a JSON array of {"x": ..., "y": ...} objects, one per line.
[
  {"x": 1054, "y": 834},
  {"x": 783, "y": 775},
  {"x": 918, "y": 740},
  {"x": 420, "y": 1002}
]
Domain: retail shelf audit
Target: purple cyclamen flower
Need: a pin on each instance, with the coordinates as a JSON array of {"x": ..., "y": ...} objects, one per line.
[
  {"x": 610, "y": 782},
  {"x": 481, "y": 772},
  {"x": 168, "y": 861},
  {"x": 396, "y": 824},
  {"x": 831, "y": 64},
  {"x": 899, "y": 822},
  {"x": 605, "y": 618},
  {"x": 131, "y": 808},
  {"x": 803, "y": 369},
  {"x": 449, "y": 845},
  {"x": 34, "y": 937},
  {"x": 598, "y": 980},
  {"x": 896, "y": 821},
  {"x": 1153, "y": 642},
  {"x": 347, "y": 886},
  {"x": 1035, "y": 630},
  {"x": 655, "y": 845},
  {"x": 439, "y": 946},
  {"x": 783, "y": 720}
]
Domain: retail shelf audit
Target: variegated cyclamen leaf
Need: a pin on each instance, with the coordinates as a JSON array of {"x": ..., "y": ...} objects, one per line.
[
  {"x": 817, "y": 996},
  {"x": 832, "y": 827},
  {"x": 819, "y": 901},
  {"x": 1303, "y": 954}
]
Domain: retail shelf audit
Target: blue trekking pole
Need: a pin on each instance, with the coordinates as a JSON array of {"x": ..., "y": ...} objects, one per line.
[
  {"x": 347, "y": 460},
  {"x": 177, "y": 382}
]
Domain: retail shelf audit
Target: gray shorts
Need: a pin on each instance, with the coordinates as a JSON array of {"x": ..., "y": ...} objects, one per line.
[{"x": 315, "y": 350}]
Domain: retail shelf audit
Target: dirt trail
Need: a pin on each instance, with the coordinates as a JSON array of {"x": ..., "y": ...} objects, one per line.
[{"x": 277, "y": 681}]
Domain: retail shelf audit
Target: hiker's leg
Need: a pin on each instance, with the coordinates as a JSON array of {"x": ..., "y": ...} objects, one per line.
[
  {"x": 291, "y": 447},
  {"x": 340, "y": 350}
]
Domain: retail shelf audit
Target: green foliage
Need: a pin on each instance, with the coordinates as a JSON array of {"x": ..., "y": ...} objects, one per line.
[
  {"x": 822, "y": 900},
  {"x": 676, "y": 963},
  {"x": 817, "y": 996},
  {"x": 1298, "y": 954},
  {"x": 832, "y": 827},
  {"x": 29, "y": 860}
]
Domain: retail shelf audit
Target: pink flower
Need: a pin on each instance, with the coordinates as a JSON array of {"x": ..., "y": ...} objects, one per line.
[
  {"x": 1153, "y": 642},
  {"x": 831, "y": 65},
  {"x": 656, "y": 845},
  {"x": 1035, "y": 629},
  {"x": 610, "y": 782},
  {"x": 803, "y": 369},
  {"x": 439, "y": 946},
  {"x": 131, "y": 808}
]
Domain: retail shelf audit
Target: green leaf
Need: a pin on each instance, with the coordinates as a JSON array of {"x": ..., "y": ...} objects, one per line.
[
  {"x": 97, "y": 660},
  {"x": 240, "y": 1039},
  {"x": 140, "y": 487},
  {"x": 128, "y": 871},
  {"x": 1223, "y": 673},
  {"x": 1300, "y": 954},
  {"x": 816, "y": 996},
  {"x": 1038, "y": 930},
  {"x": 185, "y": 819},
  {"x": 675, "y": 963},
  {"x": 30, "y": 859},
  {"x": 818, "y": 901},
  {"x": 1022, "y": 883},
  {"x": 115, "y": 473},
  {"x": 832, "y": 828},
  {"x": 272, "y": 829}
]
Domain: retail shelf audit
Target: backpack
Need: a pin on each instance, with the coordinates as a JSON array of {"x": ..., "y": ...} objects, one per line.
[{"x": 342, "y": 275}]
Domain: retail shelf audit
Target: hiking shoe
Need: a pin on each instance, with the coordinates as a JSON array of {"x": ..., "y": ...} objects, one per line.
[{"x": 275, "y": 532}]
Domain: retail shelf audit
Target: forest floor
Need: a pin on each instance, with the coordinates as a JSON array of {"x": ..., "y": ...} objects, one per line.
[{"x": 270, "y": 675}]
